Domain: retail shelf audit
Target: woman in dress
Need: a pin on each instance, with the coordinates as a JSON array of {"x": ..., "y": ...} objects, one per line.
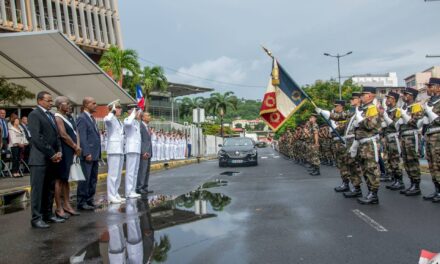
[
  {"x": 70, "y": 148},
  {"x": 17, "y": 142}
]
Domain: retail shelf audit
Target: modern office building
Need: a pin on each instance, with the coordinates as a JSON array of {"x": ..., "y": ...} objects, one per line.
[
  {"x": 91, "y": 24},
  {"x": 376, "y": 80}
]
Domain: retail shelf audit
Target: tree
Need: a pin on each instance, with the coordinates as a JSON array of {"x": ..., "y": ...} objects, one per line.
[
  {"x": 11, "y": 93},
  {"x": 153, "y": 79},
  {"x": 115, "y": 60},
  {"x": 219, "y": 104},
  {"x": 187, "y": 104},
  {"x": 238, "y": 125}
]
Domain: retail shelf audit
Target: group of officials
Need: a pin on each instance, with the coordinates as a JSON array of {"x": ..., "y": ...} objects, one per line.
[
  {"x": 371, "y": 131},
  {"x": 58, "y": 141}
]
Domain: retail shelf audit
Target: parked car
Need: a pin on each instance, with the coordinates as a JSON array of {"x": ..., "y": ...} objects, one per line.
[{"x": 241, "y": 150}]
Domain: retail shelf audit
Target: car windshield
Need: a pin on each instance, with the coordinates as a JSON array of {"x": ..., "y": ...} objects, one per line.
[{"x": 238, "y": 142}]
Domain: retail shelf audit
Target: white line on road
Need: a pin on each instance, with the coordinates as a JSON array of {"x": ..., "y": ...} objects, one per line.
[
  {"x": 263, "y": 157},
  {"x": 369, "y": 221}
]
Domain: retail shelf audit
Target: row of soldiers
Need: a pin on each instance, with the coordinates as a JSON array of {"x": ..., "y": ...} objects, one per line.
[{"x": 363, "y": 130}]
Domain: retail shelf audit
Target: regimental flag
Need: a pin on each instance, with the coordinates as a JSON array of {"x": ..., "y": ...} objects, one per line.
[
  {"x": 140, "y": 97},
  {"x": 282, "y": 98}
]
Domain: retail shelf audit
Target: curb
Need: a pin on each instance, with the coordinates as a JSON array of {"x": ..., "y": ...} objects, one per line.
[{"x": 23, "y": 192}]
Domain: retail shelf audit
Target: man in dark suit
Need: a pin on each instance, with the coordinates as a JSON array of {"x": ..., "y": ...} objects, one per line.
[
  {"x": 5, "y": 129},
  {"x": 43, "y": 161},
  {"x": 146, "y": 154},
  {"x": 91, "y": 153}
]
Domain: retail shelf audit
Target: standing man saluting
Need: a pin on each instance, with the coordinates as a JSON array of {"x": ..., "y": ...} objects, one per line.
[
  {"x": 133, "y": 152},
  {"x": 146, "y": 155},
  {"x": 91, "y": 153},
  {"x": 43, "y": 161}
]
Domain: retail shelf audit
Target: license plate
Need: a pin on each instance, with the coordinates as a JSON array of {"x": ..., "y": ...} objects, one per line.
[{"x": 236, "y": 161}]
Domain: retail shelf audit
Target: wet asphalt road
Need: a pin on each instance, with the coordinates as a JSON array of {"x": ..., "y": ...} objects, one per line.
[{"x": 273, "y": 213}]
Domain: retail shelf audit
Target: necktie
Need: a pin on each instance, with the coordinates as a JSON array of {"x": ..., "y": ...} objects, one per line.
[
  {"x": 94, "y": 123},
  {"x": 49, "y": 115}
]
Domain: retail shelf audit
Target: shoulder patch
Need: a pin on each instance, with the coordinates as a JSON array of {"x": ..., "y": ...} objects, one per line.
[
  {"x": 371, "y": 111},
  {"x": 398, "y": 113}
]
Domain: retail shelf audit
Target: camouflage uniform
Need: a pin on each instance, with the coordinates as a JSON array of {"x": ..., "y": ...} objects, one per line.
[
  {"x": 410, "y": 148},
  {"x": 366, "y": 135},
  {"x": 313, "y": 149},
  {"x": 391, "y": 150},
  {"x": 433, "y": 148}
]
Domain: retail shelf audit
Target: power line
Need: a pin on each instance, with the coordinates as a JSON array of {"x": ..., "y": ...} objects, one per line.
[{"x": 198, "y": 77}]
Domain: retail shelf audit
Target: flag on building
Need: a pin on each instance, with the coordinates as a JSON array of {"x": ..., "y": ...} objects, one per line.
[
  {"x": 427, "y": 257},
  {"x": 282, "y": 99},
  {"x": 140, "y": 97}
]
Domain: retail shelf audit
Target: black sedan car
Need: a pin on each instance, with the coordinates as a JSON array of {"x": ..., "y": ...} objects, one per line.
[{"x": 236, "y": 151}]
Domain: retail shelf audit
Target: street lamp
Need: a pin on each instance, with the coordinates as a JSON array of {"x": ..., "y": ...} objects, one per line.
[
  {"x": 339, "y": 68},
  {"x": 433, "y": 56}
]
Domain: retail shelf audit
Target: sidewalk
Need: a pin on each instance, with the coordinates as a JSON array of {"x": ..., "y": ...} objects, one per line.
[{"x": 18, "y": 189}]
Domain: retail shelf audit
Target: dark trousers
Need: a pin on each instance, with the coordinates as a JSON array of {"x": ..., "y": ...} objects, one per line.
[
  {"x": 86, "y": 189},
  {"x": 143, "y": 175},
  {"x": 16, "y": 153},
  {"x": 42, "y": 191},
  {"x": 189, "y": 150}
]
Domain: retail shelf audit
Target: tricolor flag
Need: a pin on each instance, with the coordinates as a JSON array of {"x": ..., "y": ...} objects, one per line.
[
  {"x": 140, "y": 97},
  {"x": 282, "y": 98},
  {"x": 427, "y": 257}
]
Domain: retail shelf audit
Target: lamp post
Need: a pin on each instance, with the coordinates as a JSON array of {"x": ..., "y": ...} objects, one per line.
[
  {"x": 338, "y": 57},
  {"x": 433, "y": 56}
]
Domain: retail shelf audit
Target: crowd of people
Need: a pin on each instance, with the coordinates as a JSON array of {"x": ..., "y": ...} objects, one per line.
[{"x": 371, "y": 142}]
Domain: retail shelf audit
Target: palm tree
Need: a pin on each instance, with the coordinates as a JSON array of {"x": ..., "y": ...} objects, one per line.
[
  {"x": 187, "y": 104},
  {"x": 115, "y": 60},
  {"x": 218, "y": 104},
  {"x": 154, "y": 79}
]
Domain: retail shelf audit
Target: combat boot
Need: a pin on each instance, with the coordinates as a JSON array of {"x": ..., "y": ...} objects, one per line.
[
  {"x": 431, "y": 196},
  {"x": 407, "y": 189},
  {"x": 316, "y": 171},
  {"x": 392, "y": 184},
  {"x": 371, "y": 198},
  {"x": 384, "y": 177},
  {"x": 414, "y": 190},
  {"x": 356, "y": 192},
  {"x": 343, "y": 188},
  {"x": 399, "y": 185}
]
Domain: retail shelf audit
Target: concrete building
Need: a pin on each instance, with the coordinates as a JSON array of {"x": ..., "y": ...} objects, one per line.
[
  {"x": 376, "y": 80},
  {"x": 91, "y": 24},
  {"x": 418, "y": 80}
]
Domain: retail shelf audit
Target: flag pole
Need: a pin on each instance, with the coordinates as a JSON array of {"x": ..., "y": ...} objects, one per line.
[{"x": 270, "y": 54}]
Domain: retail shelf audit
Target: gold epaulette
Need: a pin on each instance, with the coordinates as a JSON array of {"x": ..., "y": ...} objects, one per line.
[
  {"x": 416, "y": 108},
  {"x": 371, "y": 111}
]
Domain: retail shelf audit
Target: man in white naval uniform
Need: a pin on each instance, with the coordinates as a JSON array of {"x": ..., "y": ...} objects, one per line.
[
  {"x": 154, "y": 144},
  {"x": 133, "y": 152},
  {"x": 167, "y": 146},
  {"x": 115, "y": 151}
]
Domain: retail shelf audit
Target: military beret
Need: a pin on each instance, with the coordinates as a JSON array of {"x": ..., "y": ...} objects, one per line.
[
  {"x": 411, "y": 91},
  {"x": 394, "y": 95},
  {"x": 340, "y": 102},
  {"x": 369, "y": 89},
  {"x": 433, "y": 81}
]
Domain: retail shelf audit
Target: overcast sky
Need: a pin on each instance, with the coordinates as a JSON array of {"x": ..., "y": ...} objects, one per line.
[{"x": 220, "y": 39}]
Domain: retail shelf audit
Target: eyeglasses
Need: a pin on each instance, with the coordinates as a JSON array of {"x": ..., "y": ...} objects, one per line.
[{"x": 48, "y": 101}]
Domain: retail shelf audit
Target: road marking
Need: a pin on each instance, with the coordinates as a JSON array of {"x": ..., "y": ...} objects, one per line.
[
  {"x": 263, "y": 157},
  {"x": 369, "y": 221},
  {"x": 276, "y": 157}
]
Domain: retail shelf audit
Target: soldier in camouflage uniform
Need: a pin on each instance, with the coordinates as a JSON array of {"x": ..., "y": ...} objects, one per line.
[
  {"x": 296, "y": 144},
  {"x": 348, "y": 166},
  {"x": 366, "y": 144},
  {"x": 391, "y": 144},
  {"x": 322, "y": 150},
  {"x": 313, "y": 146},
  {"x": 432, "y": 136},
  {"x": 407, "y": 125}
]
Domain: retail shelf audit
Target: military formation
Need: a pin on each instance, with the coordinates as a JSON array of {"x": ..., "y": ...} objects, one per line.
[{"x": 357, "y": 140}]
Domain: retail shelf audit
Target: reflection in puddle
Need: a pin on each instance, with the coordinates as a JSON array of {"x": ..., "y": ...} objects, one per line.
[
  {"x": 133, "y": 235},
  {"x": 230, "y": 173}
]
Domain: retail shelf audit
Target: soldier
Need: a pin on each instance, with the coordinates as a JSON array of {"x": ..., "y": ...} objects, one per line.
[
  {"x": 391, "y": 144},
  {"x": 408, "y": 128},
  {"x": 432, "y": 135},
  {"x": 313, "y": 146},
  {"x": 365, "y": 147}
]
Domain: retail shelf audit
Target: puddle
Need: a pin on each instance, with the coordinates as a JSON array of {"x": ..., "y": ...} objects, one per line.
[
  {"x": 154, "y": 230},
  {"x": 230, "y": 173}
]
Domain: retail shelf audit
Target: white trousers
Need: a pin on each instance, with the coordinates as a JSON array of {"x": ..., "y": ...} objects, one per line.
[
  {"x": 115, "y": 163},
  {"x": 160, "y": 151},
  {"x": 116, "y": 244},
  {"x": 154, "y": 146},
  {"x": 131, "y": 172},
  {"x": 167, "y": 151}
]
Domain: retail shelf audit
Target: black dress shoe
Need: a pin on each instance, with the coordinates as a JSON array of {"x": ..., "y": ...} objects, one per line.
[
  {"x": 54, "y": 219},
  {"x": 64, "y": 216},
  {"x": 40, "y": 224},
  {"x": 86, "y": 207}
]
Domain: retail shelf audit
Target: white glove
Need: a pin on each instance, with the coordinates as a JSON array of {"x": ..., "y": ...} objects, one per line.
[
  {"x": 318, "y": 110},
  {"x": 383, "y": 124},
  {"x": 325, "y": 114},
  {"x": 399, "y": 123},
  {"x": 429, "y": 111},
  {"x": 423, "y": 121},
  {"x": 359, "y": 117},
  {"x": 113, "y": 108},
  {"x": 387, "y": 118},
  {"x": 405, "y": 116}
]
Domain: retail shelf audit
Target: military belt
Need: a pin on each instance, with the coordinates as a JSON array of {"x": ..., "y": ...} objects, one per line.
[
  {"x": 414, "y": 133},
  {"x": 395, "y": 136},
  {"x": 374, "y": 141},
  {"x": 433, "y": 130}
]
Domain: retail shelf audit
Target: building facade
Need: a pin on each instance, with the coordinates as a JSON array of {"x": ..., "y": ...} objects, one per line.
[
  {"x": 92, "y": 24},
  {"x": 376, "y": 80},
  {"x": 419, "y": 79}
]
